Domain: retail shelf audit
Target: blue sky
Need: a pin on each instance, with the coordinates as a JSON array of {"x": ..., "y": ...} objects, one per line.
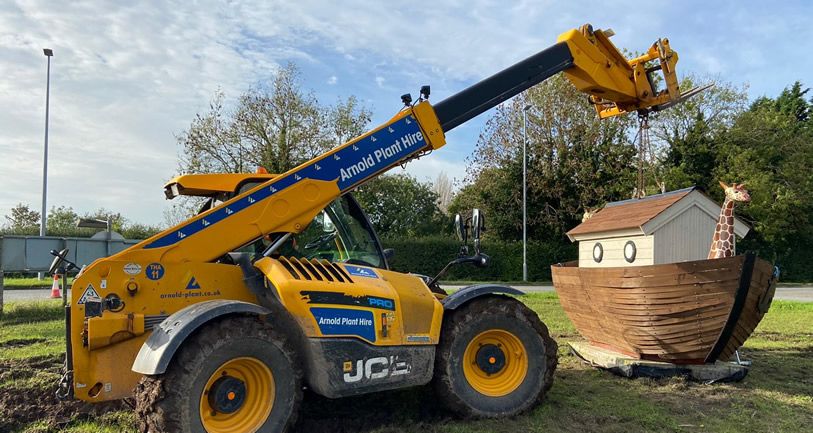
[{"x": 126, "y": 77}]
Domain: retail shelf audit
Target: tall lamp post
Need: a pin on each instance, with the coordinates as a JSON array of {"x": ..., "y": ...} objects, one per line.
[
  {"x": 48, "y": 53},
  {"x": 524, "y": 192}
]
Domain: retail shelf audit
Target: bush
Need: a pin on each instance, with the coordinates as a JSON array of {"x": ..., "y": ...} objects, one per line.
[{"x": 430, "y": 254}]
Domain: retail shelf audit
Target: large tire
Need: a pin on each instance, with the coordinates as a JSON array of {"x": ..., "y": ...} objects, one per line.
[
  {"x": 495, "y": 359},
  {"x": 242, "y": 348}
]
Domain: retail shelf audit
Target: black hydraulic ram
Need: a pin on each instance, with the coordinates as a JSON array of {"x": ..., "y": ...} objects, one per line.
[{"x": 468, "y": 103}]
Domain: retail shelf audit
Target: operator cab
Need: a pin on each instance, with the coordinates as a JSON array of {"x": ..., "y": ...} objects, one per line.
[{"x": 340, "y": 233}]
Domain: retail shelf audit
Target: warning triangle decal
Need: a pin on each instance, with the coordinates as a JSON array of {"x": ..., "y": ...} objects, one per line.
[{"x": 90, "y": 291}]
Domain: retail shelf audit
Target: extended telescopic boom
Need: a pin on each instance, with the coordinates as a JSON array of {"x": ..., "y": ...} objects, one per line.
[{"x": 288, "y": 202}]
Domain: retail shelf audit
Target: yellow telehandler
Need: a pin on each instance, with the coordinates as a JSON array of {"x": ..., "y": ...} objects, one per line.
[{"x": 280, "y": 282}]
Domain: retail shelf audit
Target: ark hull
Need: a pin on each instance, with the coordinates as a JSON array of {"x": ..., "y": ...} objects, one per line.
[{"x": 689, "y": 312}]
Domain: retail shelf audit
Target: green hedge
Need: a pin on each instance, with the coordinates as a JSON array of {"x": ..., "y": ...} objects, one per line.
[{"x": 429, "y": 255}]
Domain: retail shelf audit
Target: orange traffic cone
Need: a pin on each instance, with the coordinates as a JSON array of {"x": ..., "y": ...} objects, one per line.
[{"x": 55, "y": 292}]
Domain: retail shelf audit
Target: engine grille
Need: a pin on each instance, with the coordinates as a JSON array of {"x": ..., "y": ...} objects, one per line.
[{"x": 313, "y": 269}]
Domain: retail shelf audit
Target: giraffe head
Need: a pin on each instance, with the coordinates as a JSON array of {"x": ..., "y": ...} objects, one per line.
[
  {"x": 588, "y": 213},
  {"x": 736, "y": 192}
]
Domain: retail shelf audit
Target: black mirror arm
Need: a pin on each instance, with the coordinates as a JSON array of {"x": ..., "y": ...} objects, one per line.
[
  {"x": 71, "y": 266},
  {"x": 479, "y": 260}
]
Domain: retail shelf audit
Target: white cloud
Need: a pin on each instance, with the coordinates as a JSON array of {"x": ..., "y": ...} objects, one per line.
[
  {"x": 126, "y": 78},
  {"x": 427, "y": 169}
]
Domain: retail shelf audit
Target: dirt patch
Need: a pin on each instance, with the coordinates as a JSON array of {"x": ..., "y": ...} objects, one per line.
[
  {"x": 416, "y": 408},
  {"x": 28, "y": 395},
  {"x": 18, "y": 342}
]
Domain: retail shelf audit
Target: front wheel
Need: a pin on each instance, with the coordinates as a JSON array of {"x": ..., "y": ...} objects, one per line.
[
  {"x": 495, "y": 359},
  {"x": 237, "y": 374}
]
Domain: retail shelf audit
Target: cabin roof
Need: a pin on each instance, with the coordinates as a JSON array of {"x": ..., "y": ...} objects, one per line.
[
  {"x": 644, "y": 216},
  {"x": 628, "y": 214},
  {"x": 208, "y": 184}
]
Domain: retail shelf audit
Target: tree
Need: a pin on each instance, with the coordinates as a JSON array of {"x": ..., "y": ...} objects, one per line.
[
  {"x": 181, "y": 209},
  {"x": 765, "y": 149},
  {"x": 399, "y": 205},
  {"x": 685, "y": 136},
  {"x": 276, "y": 126},
  {"x": 445, "y": 191},
  {"x": 139, "y": 231},
  {"x": 691, "y": 158},
  {"x": 62, "y": 222},
  {"x": 348, "y": 119},
  {"x": 717, "y": 106},
  {"x": 793, "y": 103},
  {"x": 574, "y": 160},
  {"x": 770, "y": 148},
  {"x": 22, "y": 221},
  {"x": 118, "y": 222}
]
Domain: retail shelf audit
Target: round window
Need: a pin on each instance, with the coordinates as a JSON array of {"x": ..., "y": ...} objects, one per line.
[
  {"x": 630, "y": 251},
  {"x": 598, "y": 252}
]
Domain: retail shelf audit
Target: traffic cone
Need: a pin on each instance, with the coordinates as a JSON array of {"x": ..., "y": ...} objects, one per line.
[{"x": 55, "y": 292}]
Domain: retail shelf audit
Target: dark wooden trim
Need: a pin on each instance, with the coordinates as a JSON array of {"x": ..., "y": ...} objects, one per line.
[{"x": 736, "y": 308}]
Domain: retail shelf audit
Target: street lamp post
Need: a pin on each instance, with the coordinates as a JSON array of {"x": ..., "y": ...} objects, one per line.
[
  {"x": 48, "y": 53},
  {"x": 524, "y": 192}
]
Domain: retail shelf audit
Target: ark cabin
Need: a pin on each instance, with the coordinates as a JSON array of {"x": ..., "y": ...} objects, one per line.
[{"x": 676, "y": 226}]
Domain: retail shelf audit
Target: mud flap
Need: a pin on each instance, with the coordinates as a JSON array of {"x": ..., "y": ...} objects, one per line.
[
  {"x": 167, "y": 337},
  {"x": 466, "y": 294}
]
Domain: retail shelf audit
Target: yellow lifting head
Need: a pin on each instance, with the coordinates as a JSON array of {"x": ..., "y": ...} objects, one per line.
[{"x": 617, "y": 85}]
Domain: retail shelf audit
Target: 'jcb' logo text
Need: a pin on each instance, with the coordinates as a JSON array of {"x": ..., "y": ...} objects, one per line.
[{"x": 375, "y": 368}]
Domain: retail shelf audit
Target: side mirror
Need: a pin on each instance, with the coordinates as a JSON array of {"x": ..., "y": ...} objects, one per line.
[
  {"x": 389, "y": 254},
  {"x": 475, "y": 224},
  {"x": 460, "y": 228},
  {"x": 478, "y": 226},
  {"x": 327, "y": 223},
  {"x": 59, "y": 257}
]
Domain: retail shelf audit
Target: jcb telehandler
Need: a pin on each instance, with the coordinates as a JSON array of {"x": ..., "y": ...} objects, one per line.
[{"x": 280, "y": 282}]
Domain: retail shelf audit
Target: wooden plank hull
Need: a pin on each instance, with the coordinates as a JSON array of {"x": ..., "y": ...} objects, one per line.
[{"x": 689, "y": 312}]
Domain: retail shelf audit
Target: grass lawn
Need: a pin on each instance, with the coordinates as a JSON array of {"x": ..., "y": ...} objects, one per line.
[
  {"x": 29, "y": 283},
  {"x": 774, "y": 397}
]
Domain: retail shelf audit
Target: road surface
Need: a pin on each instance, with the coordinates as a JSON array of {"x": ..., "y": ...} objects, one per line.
[{"x": 786, "y": 293}]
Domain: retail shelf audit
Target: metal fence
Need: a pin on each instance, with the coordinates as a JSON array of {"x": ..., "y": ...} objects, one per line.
[{"x": 33, "y": 253}]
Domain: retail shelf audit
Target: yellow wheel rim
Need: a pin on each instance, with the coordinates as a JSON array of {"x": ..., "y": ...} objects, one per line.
[
  {"x": 256, "y": 405},
  {"x": 500, "y": 350}
]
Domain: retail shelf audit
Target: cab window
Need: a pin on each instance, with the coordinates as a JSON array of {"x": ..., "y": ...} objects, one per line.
[{"x": 339, "y": 233}]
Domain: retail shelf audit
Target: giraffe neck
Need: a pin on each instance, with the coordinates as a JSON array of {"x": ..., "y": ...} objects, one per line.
[{"x": 722, "y": 245}]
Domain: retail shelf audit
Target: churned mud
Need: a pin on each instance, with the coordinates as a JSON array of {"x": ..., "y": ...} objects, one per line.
[{"x": 27, "y": 394}]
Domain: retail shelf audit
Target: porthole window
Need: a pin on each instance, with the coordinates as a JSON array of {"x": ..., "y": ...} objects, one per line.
[
  {"x": 630, "y": 251},
  {"x": 598, "y": 252}
]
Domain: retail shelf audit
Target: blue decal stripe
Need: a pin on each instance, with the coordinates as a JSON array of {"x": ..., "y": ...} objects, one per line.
[{"x": 348, "y": 166}]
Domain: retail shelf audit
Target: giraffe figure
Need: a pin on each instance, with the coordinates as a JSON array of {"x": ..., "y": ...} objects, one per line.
[
  {"x": 722, "y": 245},
  {"x": 588, "y": 213}
]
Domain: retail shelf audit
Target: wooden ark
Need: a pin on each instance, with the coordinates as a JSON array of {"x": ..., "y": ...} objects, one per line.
[{"x": 688, "y": 312}]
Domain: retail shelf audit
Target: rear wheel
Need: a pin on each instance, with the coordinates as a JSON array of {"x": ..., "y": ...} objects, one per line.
[
  {"x": 495, "y": 358},
  {"x": 237, "y": 374}
]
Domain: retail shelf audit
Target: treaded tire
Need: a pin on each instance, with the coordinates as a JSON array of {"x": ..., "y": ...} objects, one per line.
[
  {"x": 170, "y": 402},
  {"x": 461, "y": 326}
]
